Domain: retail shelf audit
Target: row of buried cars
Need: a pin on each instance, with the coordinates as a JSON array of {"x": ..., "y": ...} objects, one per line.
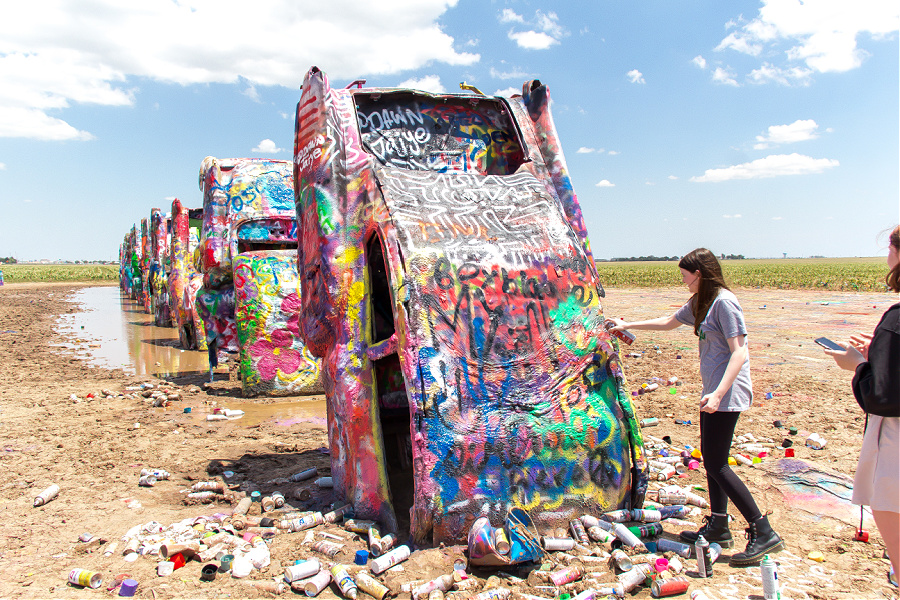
[{"x": 425, "y": 258}]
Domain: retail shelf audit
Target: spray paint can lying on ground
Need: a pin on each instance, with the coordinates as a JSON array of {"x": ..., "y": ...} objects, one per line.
[
  {"x": 598, "y": 534},
  {"x": 673, "y": 586},
  {"x": 630, "y": 580},
  {"x": 329, "y": 549},
  {"x": 646, "y": 516},
  {"x": 371, "y": 586},
  {"x": 622, "y": 560},
  {"x": 667, "y": 545},
  {"x": 47, "y": 495},
  {"x": 304, "y": 475},
  {"x": 552, "y": 544},
  {"x": 648, "y": 530},
  {"x": 494, "y": 594},
  {"x": 305, "y": 569},
  {"x": 314, "y": 585},
  {"x": 147, "y": 481},
  {"x": 345, "y": 582},
  {"x": 385, "y": 562},
  {"x": 333, "y": 516},
  {"x": 578, "y": 531},
  {"x": 442, "y": 583},
  {"x": 567, "y": 575},
  {"x": 208, "y": 486},
  {"x": 85, "y": 578}
]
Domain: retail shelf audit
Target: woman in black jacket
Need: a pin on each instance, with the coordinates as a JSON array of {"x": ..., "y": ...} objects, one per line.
[{"x": 876, "y": 385}]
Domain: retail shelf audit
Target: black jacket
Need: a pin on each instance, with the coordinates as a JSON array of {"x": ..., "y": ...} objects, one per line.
[{"x": 876, "y": 384}]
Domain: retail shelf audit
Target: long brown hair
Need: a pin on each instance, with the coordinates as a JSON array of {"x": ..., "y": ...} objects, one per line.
[
  {"x": 711, "y": 281},
  {"x": 893, "y": 277}
]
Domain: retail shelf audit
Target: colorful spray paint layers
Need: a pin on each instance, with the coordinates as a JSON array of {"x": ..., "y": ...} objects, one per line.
[
  {"x": 274, "y": 360},
  {"x": 448, "y": 284},
  {"x": 184, "y": 281},
  {"x": 145, "y": 265},
  {"x": 160, "y": 265},
  {"x": 248, "y": 209}
]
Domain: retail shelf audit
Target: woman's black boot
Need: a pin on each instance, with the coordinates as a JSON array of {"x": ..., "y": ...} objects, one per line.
[
  {"x": 715, "y": 530},
  {"x": 762, "y": 540}
]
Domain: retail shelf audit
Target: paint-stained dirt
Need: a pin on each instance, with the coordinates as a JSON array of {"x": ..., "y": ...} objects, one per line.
[{"x": 92, "y": 448}]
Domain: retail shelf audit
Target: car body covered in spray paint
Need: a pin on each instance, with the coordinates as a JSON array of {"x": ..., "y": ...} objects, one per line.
[
  {"x": 160, "y": 265},
  {"x": 184, "y": 279},
  {"x": 249, "y": 299},
  {"x": 131, "y": 264},
  {"x": 448, "y": 284},
  {"x": 145, "y": 265}
]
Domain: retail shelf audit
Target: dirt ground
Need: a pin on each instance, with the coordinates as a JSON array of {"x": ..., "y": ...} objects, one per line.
[{"x": 94, "y": 449}]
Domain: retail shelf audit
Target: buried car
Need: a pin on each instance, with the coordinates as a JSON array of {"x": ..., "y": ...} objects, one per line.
[
  {"x": 448, "y": 284},
  {"x": 249, "y": 299}
]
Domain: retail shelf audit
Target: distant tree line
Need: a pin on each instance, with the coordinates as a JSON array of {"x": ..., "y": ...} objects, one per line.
[
  {"x": 667, "y": 258},
  {"x": 7, "y": 260}
]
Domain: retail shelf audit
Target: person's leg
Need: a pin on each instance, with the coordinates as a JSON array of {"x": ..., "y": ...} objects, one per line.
[
  {"x": 716, "y": 527},
  {"x": 889, "y": 527},
  {"x": 720, "y": 427}
]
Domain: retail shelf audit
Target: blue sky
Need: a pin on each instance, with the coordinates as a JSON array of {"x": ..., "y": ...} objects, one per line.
[{"x": 755, "y": 128}]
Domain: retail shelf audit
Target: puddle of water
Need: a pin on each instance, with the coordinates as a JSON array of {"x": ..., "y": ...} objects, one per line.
[
  {"x": 310, "y": 409},
  {"x": 114, "y": 331}
]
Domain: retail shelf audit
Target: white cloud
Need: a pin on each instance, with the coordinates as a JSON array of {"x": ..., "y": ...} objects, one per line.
[
  {"x": 604, "y": 183},
  {"x": 774, "y": 165},
  {"x": 429, "y": 83},
  {"x": 586, "y": 150},
  {"x": 699, "y": 61},
  {"x": 252, "y": 93},
  {"x": 267, "y": 146},
  {"x": 635, "y": 76},
  {"x": 545, "y": 30},
  {"x": 508, "y": 92},
  {"x": 724, "y": 76},
  {"x": 2, "y": 166},
  {"x": 790, "y": 76},
  {"x": 515, "y": 73},
  {"x": 798, "y": 131},
  {"x": 613, "y": 152},
  {"x": 54, "y": 53},
  {"x": 673, "y": 177},
  {"x": 731, "y": 216},
  {"x": 777, "y": 218},
  {"x": 820, "y": 33},
  {"x": 532, "y": 40},
  {"x": 508, "y": 15}
]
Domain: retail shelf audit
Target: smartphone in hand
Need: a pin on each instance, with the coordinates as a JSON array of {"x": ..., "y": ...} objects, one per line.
[{"x": 826, "y": 343}]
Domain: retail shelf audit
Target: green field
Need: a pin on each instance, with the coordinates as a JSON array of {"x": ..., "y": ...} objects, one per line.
[
  {"x": 848, "y": 274},
  {"x": 21, "y": 273}
]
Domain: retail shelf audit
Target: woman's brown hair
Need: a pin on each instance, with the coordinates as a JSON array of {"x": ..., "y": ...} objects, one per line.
[
  {"x": 893, "y": 276},
  {"x": 711, "y": 281}
]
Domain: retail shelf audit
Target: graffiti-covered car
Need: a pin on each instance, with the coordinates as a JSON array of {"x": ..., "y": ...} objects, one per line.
[
  {"x": 249, "y": 299},
  {"x": 160, "y": 265},
  {"x": 184, "y": 279},
  {"x": 448, "y": 284}
]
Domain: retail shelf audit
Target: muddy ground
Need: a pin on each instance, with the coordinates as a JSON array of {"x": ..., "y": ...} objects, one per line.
[{"x": 94, "y": 449}]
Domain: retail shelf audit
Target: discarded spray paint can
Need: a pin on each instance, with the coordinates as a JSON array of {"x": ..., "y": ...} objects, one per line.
[
  {"x": 665, "y": 497},
  {"x": 314, "y": 585},
  {"x": 646, "y": 516},
  {"x": 622, "y": 560},
  {"x": 325, "y": 482},
  {"x": 243, "y": 521},
  {"x": 306, "y": 522},
  {"x": 650, "y": 422},
  {"x": 625, "y": 336},
  {"x": 334, "y": 515},
  {"x": 278, "y": 499},
  {"x": 648, "y": 530},
  {"x": 47, "y": 495},
  {"x": 554, "y": 544},
  {"x": 617, "y": 516},
  {"x": 675, "y": 565},
  {"x": 610, "y": 589},
  {"x": 567, "y": 575},
  {"x": 666, "y": 545},
  {"x": 704, "y": 558},
  {"x": 743, "y": 460},
  {"x": 715, "y": 551},
  {"x": 374, "y": 539},
  {"x": 674, "y": 511},
  {"x": 147, "y": 481},
  {"x": 436, "y": 595},
  {"x": 273, "y": 587},
  {"x": 329, "y": 549},
  {"x": 208, "y": 486},
  {"x": 650, "y": 388},
  {"x": 578, "y": 531},
  {"x": 303, "y": 494},
  {"x": 267, "y": 504},
  {"x": 816, "y": 441},
  {"x": 385, "y": 543},
  {"x": 85, "y": 578},
  {"x": 627, "y": 538},
  {"x": 589, "y": 520},
  {"x": 696, "y": 500},
  {"x": 501, "y": 542},
  {"x": 771, "y": 589},
  {"x": 344, "y": 581},
  {"x": 204, "y": 497},
  {"x": 243, "y": 506},
  {"x": 635, "y": 577},
  {"x": 494, "y": 594},
  {"x": 666, "y": 474},
  {"x": 359, "y": 526},
  {"x": 304, "y": 475},
  {"x": 371, "y": 586},
  {"x": 442, "y": 584},
  {"x": 673, "y": 586},
  {"x": 385, "y": 562},
  {"x": 598, "y": 534},
  {"x": 160, "y": 474}
]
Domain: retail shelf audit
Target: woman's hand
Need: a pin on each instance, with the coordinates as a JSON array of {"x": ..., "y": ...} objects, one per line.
[
  {"x": 619, "y": 324},
  {"x": 710, "y": 402},
  {"x": 849, "y": 358},
  {"x": 861, "y": 342}
]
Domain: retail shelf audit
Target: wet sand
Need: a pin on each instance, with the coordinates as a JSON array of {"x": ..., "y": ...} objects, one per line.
[{"x": 92, "y": 448}]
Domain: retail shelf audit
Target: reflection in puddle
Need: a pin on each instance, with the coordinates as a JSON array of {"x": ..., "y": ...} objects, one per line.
[
  {"x": 309, "y": 409},
  {"x": 114, "y": 331}
]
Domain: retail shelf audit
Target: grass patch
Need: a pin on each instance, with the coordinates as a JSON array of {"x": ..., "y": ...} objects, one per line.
[{"x": 55, "y": 273}]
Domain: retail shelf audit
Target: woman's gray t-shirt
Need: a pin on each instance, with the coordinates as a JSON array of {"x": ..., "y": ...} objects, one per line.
[{"x": 724, "y": 320}]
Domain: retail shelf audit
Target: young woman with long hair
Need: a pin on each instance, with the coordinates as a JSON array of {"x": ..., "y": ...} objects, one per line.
[
  {"x": 875, "y": 360},
  {"x": 718, "y": 321}
]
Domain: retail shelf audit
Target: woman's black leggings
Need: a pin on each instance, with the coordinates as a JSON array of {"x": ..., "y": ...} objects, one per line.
[{"x": 716, "y": 431}]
